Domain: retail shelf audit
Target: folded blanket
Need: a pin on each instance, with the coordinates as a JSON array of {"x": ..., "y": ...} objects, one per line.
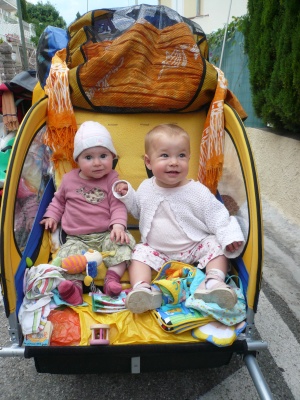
[
  {"x": 38, "y": 284},
  {"x": 41, "y": 280}
]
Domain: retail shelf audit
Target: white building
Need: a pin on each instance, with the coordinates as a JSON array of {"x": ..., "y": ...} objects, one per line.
[
  {"x": 10, "y": 32},
  {"x": 211, "y": 15}
]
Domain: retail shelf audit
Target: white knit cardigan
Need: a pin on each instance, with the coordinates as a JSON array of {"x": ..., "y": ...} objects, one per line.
[{"x": 196, "y": 210}]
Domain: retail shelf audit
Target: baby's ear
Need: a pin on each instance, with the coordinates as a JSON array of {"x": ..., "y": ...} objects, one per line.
[
  {"x": 148, "y": 166},
  {"x": 147, "y": 161}
]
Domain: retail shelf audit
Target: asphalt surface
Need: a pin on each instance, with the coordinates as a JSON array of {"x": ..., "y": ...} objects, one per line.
[{"x": 277, "y": 322}]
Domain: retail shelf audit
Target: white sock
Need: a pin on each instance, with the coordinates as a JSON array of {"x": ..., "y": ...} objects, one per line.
[
  {"x": 141, "y": 284},
  {"x": 210, "y": 283}
]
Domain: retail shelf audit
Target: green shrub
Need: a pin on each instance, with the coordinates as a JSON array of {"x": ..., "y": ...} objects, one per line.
[
  {"x": 271, "y": 30},
  {"x": 272, "y": 41}
]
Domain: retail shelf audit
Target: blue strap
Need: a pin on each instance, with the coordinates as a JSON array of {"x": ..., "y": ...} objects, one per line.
[{"x": 33, "y": 243}]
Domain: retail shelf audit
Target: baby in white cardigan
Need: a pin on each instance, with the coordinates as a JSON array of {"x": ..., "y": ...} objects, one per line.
[{"x": 179, "y": 219}]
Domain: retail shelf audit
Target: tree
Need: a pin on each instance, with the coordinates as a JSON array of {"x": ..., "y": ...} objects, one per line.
[
  {"x": 24, "y": 10},
  {"x": 43, "y": 15},
  {"x": 273, "y": 45}
]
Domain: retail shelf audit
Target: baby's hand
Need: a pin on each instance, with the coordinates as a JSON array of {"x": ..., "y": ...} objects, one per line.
[
  {"x": 49, "y": 223},
  {"x": 121, "y": 188},
  {"x": 233, "y": 246},
  {"x": 118, "y": 234}
]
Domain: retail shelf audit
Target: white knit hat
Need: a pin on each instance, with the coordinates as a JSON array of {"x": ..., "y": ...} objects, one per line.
[{"x": 91, "y": 134}]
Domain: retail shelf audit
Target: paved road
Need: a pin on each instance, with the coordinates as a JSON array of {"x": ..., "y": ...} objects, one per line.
[{"x": 277, "y": 322}]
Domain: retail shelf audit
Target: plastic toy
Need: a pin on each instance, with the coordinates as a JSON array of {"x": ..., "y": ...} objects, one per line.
[
  {"x": 100, "y": 334},
  {"x": 6, "y": 146}
]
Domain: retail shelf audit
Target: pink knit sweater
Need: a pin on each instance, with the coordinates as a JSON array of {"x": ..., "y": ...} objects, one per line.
[{"x": 86, "y": 206}]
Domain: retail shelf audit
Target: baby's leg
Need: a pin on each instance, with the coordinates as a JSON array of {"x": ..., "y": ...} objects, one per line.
[
  {"x": 116, "y": 265},
  {"x": 143, "y": 296},
  {"x": 140, "y": 274},
  {"x": 213, "y": 289},
  {"x": 72, "y": 246},
  {"x": 112, "y": 282},
  {"x": 217, "y": 266}
]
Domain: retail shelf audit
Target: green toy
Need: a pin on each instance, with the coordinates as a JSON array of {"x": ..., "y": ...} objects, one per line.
[{"x": 6, "y": 147}]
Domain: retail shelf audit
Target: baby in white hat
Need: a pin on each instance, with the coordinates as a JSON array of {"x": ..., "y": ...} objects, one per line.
[{"x": 90, "y": 215}]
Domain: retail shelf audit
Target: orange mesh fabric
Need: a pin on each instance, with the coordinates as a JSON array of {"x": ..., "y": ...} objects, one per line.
[
  {"x": 61, "y": 123},
  {"x": 212, "y": 142},
  {"x": 144, "y": 69},
  {"x": 137, "y": 59}
]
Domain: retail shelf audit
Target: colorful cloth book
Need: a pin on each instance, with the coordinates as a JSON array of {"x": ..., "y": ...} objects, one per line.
[
  {"x": 105, "y": 304},
  {"x": 41, "y": 338},
  {"x": 178, "y": 318}
]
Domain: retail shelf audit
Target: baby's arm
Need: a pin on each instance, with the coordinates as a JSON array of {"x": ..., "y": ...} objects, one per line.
[
  {"x": 56, "y": 208},
  {"x": 118, "y": 234},
  {"x": 121, "y": 188},
  {"x": 233, "y": 246},
  {"x": 127, "y": 196},
  {"x": 49, "y": 223}
]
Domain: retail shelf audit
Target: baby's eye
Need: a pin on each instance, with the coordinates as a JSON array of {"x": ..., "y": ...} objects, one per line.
[
  {"x": 164, "y": 155},
  {"x": 103, "y": 156},
  {"x": 88, "y": 157},
  {"x": 182, "y": 155}
]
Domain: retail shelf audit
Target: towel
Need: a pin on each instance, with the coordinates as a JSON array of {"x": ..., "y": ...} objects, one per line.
[
  {"x": 33, "y": 314},
  {"x": 41, "y": 280},
  {"x": 38, "y": 284}
]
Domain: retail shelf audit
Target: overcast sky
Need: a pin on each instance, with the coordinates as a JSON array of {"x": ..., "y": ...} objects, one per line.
[{"x": 69, "y": 9}]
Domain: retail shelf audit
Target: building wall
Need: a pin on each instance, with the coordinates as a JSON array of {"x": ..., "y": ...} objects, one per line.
[
  {"x": 185, "y": 8},
  {"x": 213, "y": 13},
  {"x": 10, "y": 33},
  {"x": 167, "y": 3},
  {"x": 190, "y": 8},
  {"x": 13, "y": 29}
]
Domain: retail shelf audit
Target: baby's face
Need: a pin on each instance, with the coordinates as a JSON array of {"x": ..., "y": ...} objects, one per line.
[
  {"x": 95, "y": 162},
  {"x": 168, "y": 159}
]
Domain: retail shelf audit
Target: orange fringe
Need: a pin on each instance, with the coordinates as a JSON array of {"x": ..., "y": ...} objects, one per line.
[
  {"x": 61, "y": 122},
  {"x": 212, "y": 142},
  {"x": 9, "y": 110}
]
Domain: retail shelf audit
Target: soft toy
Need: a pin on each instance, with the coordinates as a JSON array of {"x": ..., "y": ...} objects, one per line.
[
  {"x": 74, "y": 264},
  {"x": 88, "y": 262}
]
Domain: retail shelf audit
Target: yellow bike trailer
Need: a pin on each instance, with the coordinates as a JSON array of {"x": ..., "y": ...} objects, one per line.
[{"x": 137, "y": 342}]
